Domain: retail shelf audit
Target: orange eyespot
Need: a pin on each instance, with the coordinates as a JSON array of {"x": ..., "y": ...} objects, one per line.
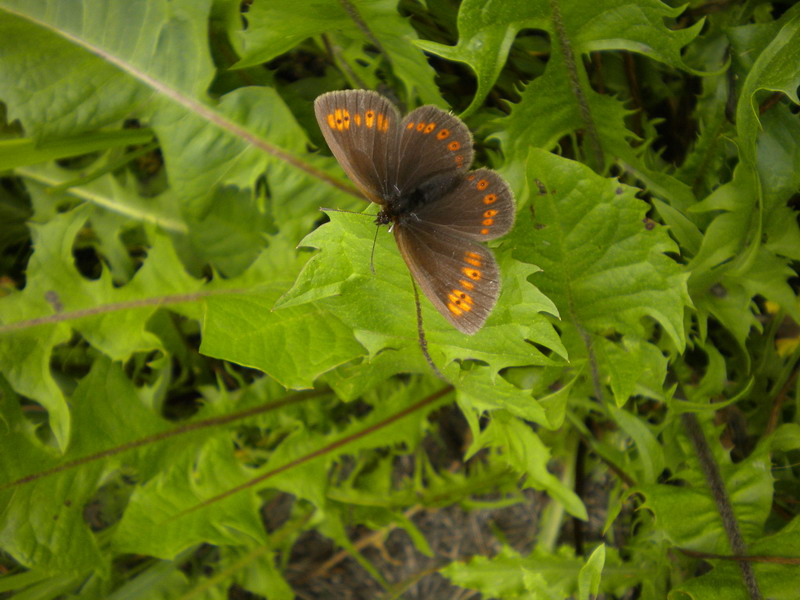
[
  {"x": 460, "y": 300},
  {"x": 369, "y": 118},
  {"x": 338, "y": 115},
  {"x": 459, "y": 296},
  {"x": 484, "y": 231},
  {"x": 488, "y": 222},
  {"x": 346, "y": 119},
  {"x": 420, "y": 126},
  {"x": 453, "y": 146},
  {"x": 430, "y": 127},
  {"x": 410, "y": 125},
  {"x": 489, "y": 213},
  {"x": 482, "y": 184},
  {"x": 443, "y": 134},
  {"x": 473, "y": 274},
  {"x": 490, "y": 198}
]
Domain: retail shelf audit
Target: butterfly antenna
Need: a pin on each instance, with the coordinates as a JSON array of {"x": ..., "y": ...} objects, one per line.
[
  {"x": 372, "y": 256},
  {"x": 423, "y": 343}
]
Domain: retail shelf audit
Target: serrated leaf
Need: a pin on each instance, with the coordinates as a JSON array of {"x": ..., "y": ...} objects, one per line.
[
  {"x": 522, "y": 450},
  {"x": 45, "y": 527},
  {"x": 262, "y": 40},
  {"x": 487, "y": 31},
  {"x": 601, "y": 265}
]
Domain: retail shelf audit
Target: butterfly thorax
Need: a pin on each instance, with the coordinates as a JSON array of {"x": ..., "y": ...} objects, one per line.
[{"x": 401, "y": 205}]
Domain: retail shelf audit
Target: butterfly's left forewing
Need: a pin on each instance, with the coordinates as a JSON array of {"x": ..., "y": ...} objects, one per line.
[
  {"x": 361, "y": 128},
  {"x": 460, "y": 277}
]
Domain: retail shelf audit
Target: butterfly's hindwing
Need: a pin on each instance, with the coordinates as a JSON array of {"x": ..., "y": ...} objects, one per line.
[
  {"x": 361, "y": 128},
  {"x": 480, "y": 206},
  {"x": 460, "y": 277}
]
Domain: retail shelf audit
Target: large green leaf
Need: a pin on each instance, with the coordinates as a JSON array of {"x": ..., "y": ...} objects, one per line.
[{"x": 603, "y": 266}]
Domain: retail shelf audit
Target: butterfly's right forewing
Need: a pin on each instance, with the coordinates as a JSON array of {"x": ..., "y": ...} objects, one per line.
[
  {"x": 432, "y": 144},
  {"x": 361, "y": 128}
]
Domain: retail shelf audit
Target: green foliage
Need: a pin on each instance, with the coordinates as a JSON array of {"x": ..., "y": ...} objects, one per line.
[{"x": 201, "y": 376}]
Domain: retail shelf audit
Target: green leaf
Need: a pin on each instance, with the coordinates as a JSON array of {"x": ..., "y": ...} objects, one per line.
[
  {"x": 777, "y": 68},
  {"x": 45, "y": 526},
  {"x": 749, "y": 487},
  {"x": 603, "y": 268},
  {"x": 521, "y": 449},
  {"x": 244, "y": 329},
  {"x": 25, "y": 151},
  {"x": 776, "y": 581},
  {"x": 633, "y": 366},
  {"x": 650, "y": 457},
  {"x": 589, "y": 577},
  {"x": 262, "y": 40},
  {"x": 487, "y": 31}
]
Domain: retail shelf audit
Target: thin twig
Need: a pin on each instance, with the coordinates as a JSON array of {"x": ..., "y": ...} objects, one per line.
[
  {"x": 164, "y": 435},
  {"x": 575, "y": 84},
  {"x": 722, "y": 500}
]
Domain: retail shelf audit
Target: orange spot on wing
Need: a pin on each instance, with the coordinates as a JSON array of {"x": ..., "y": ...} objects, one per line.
[
  {"x": 462, "y": 299},
  {"x": 488, "y": 221},
  {"x": 454, "y": 145},
  {"x": 443, "y": 134},
  {"x": 490, "y": 198},
  {"x": 473, "y": 274},
  {"x": 369, "y": 118},
  {"x": 420, "y": 126},
  {"x": 467, "y": 285},
  {"x": 484, "y": 232},
  {"x": 410, "y": 125},
  {"x": 331, "y": 121},
  {"x": 459, "y": 302},
  {"x": 471, "y": 178},
  {"x": 357, "y": 117},
  {"x": 473, "y": 261},
  {"x": 346, "y": 119},
  {"x": 482, "y": 184},
  {"x": 489, "y": 213},
  {"x": 430, "y": 127},
  {"x": 454, "y": 309}
]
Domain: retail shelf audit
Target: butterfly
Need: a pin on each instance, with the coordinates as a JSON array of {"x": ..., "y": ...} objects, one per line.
[{"x": 416, "y": 169}]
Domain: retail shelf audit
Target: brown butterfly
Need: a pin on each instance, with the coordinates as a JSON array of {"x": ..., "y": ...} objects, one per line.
[{"x": 416, "y": 169}]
